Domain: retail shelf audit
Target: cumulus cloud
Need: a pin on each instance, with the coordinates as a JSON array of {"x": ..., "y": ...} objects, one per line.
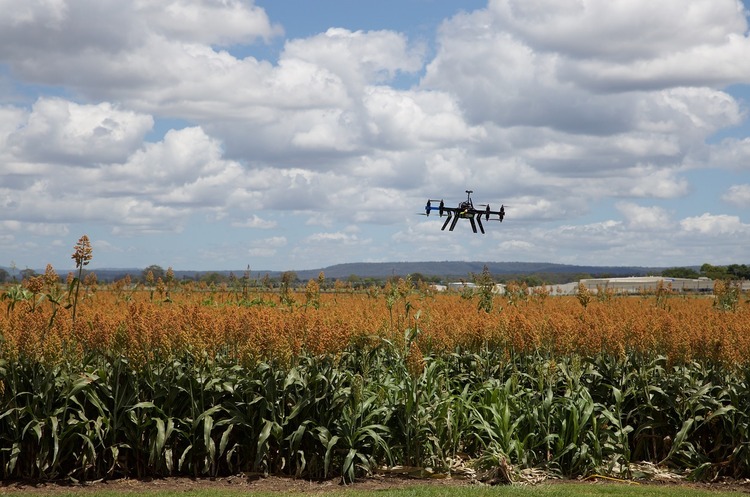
[
  {"x": 715, "y": 225},
  {"x": 644, "y": 218},
  {"x": 58, "y": 130},
  {"x": 266, "y": 247},
  {"x": 337, "y": 237},
  {"x": 209, "y": 22},
  {"x": 738, "y": 195},
  {"x": 731, "y": 153},
  {"x": 675, "y": 42},
  {"x": 255, "y": 221},
  {"x": 649, "y": 181},
  {"x": 358, "y": 57}
]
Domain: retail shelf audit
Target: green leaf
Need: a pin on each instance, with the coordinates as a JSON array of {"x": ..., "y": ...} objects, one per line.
[
  {"x": 329, "y": 448},
  {"x": 159, "y": 441},
  {"x": 225, "y": 439},
  {"x": 347, "y": 470},
  {"x": 261, "y": 451}
]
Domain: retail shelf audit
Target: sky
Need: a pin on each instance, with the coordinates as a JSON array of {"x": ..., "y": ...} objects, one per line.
[{"x": 291, "y": 135}]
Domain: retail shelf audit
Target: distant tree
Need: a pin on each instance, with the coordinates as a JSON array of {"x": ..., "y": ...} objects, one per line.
[
  {"x": 681, "y": 272},
  {"x": 714, "y": 272},
  {"x": 214, "y": 277},
  {"x": 417, "y": 277},
  {"x": 529, "y": 279},
  {"x": 156, "y": 271},
  {"x": 739, "y": 271},
  {"x": 354, "y": 280},
  {"x": 27, "y": 273},
  {"x": 4, "y": 275}
]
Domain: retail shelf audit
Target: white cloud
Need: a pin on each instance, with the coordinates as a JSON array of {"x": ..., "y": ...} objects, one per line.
[
  {"x": 731, "y": 153},
  {"x": 337, "y": 237},
  {"x": 591, "y": 30},
  {"x": 152, "y": 190},
  {"x": 58, "y": 130},
  {"x": 715, "y": 225},
  {"x": 255, "y": 221},
  {"x": 738, "y": 195},
  {"x": 210, "y": 22},
  {"x": 47, "y": 229},
  {"x": 274, "y": 241},
  {"x": 409, "y": 119},
  {"x": 698, "y": 42},
  {"x": 641, "y": 218},
  {"x": 358, "y": 57},
  {"x": 266, "y": 247},
  {"x": 515, "y": 246},
  {"x": 649, "y": 181},
  {"x": 262, "y": 252}
]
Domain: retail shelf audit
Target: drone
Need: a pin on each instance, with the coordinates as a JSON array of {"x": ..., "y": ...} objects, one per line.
[{"x": 465, "y": 210}]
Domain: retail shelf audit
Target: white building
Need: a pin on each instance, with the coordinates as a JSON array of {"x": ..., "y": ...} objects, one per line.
[{"x": 639, "y": 284}]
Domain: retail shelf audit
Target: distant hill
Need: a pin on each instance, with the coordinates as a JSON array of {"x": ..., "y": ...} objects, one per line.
[{"x": 449, "y": 270}]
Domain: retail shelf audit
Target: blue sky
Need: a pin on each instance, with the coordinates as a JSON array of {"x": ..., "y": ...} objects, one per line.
[{"x": 217, "y": 135}]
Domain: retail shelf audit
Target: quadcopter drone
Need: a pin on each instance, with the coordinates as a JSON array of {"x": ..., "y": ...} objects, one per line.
[{"x": 465, "y": 210}]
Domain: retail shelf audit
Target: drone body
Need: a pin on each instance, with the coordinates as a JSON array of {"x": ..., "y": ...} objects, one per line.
[{"x": 465, "y": 210}]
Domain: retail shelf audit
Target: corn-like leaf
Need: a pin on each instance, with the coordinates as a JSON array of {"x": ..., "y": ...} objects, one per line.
[
  {"x": 331, "y": 443},
  {"x": 158, "y": 445}
]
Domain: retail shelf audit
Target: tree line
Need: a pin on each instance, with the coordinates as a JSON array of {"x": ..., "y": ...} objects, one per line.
[{"x": 728, "y": 272}]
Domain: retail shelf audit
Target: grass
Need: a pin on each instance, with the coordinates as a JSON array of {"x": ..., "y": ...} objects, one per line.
[{"x": 417, "y": 490}]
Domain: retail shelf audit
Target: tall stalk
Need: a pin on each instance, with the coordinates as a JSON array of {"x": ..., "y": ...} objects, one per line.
[{"x": 82, "y": 256}]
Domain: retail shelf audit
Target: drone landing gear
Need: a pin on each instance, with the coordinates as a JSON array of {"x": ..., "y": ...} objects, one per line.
[
  {"x": 455, "y": 220},
  {"x": 447, "y": 220},
  {"x": 479, "y": 222}
]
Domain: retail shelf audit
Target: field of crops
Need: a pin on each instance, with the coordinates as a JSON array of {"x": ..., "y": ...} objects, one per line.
[{"x": 166, "y": 379}]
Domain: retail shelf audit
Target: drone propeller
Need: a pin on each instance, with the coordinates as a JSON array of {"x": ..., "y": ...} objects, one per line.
[
  {"x": 464, "y": 210},
  {"x": 488, "y": 210},
  {"x": 428, "y": 207}
]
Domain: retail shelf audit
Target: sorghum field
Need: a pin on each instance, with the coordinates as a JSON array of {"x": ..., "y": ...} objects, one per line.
[{"x": 161, "y": 378}]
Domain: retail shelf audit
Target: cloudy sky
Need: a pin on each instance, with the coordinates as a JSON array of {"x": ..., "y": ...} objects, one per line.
[{"x": 289, "y": 134}]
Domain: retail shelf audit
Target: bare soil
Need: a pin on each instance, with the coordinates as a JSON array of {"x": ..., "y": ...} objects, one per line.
[
  {"x": 244, "y": 483},
  {"x": 240, "y": 483}
]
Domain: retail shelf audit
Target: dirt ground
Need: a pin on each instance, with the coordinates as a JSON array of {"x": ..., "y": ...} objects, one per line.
[
  {"x": 239, "y": 482},
  {"x": 243, "y": 483}
]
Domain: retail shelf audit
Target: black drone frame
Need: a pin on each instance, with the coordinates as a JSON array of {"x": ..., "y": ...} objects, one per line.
[{"x": 465, "y": 210}]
